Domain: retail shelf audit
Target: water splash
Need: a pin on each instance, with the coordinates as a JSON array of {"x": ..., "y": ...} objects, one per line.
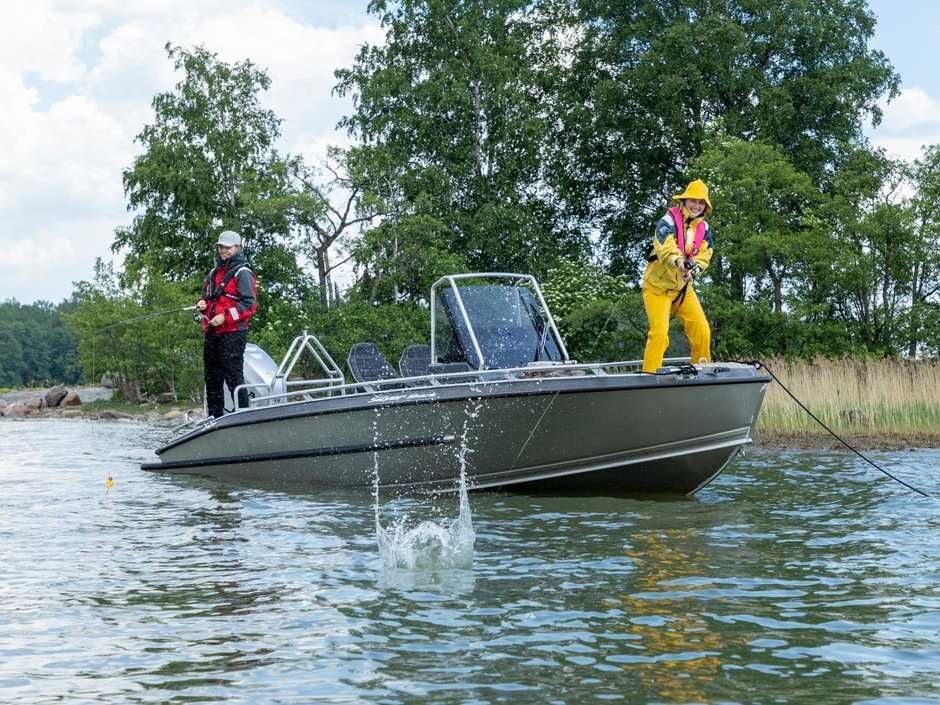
[{"x": 429, "y": 546}]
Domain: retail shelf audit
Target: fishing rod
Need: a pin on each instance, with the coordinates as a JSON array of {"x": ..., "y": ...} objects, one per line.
[
  {"x": 147, "y": 316},
  {"x": 197, "y": 316}
]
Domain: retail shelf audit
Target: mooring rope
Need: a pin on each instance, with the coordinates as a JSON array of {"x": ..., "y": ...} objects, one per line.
[{"x": 758, "y": 364}]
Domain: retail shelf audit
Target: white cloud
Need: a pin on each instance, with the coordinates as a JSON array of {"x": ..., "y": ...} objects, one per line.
[
  {"x": 299, "y": 58},
  {"x": 911, "y": 122},
  {"x": 36, "y": 40},
  {"x": 44, "y": 262},
  {"x": 913, "y": 107},
  {"x": 906, "y": 148},
  {"x": 78, "y": 77}
]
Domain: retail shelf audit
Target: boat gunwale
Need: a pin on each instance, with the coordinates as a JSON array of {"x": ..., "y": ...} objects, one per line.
[{"x": 474, "y": 389}]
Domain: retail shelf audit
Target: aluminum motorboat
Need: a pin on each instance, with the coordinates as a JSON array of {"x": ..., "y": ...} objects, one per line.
[{"x": 494, "y": 395}]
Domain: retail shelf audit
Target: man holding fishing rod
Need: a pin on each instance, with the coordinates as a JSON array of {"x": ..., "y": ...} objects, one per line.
[{"x": 229, "y": 300}]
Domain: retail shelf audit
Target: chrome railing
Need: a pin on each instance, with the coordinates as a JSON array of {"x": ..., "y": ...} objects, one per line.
[
  {"x": 305, "y": 342},
  {"x": 320, "y": 389}
]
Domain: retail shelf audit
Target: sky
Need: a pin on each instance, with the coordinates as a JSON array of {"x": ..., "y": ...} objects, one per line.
[{"x": 77, "y": 78}]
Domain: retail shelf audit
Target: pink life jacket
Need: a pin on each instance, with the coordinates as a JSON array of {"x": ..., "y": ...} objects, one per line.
[{"x": 679, "y": 220}]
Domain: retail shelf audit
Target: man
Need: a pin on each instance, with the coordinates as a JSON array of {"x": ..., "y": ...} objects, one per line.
[{"x": 229, "y": 300}]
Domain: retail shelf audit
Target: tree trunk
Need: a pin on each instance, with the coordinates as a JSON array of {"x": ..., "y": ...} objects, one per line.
[
  {"x": 321, "y": 276},
  {"x": 395, "y": 259},
  {"x": 129, "y": 389},
  {"x": 915, "y": 330},
  {"x": 477, "y": 127},
  {"x": 777, "y": 282},
  {"x": 328, "y": 279}
]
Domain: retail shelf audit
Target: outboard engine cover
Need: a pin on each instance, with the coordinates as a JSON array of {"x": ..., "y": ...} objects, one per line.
[{"x": 258, "y": 368}]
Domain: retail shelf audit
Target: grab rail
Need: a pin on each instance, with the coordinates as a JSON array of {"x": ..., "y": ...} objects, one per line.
[
  {"x": 305, "y": 341},
  {"x": 413, "y": 384}
]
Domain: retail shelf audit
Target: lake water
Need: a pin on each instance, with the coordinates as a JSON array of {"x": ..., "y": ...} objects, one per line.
[{"x": 796, "y": 577}]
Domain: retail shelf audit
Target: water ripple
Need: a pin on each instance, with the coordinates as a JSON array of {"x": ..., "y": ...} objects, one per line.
[{"x": 796, "y": 577}]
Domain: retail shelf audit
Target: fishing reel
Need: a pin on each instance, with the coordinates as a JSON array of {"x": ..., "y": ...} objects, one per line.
[
  {"x": 198, "y": 316},
  {"x": 692, "y": 267}
]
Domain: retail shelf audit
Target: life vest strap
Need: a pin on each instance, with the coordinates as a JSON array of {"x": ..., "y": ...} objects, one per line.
[{"x": 679, "y": 219}]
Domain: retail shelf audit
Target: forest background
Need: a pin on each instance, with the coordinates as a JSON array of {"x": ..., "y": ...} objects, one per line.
[{"x": 542, "y": 137}]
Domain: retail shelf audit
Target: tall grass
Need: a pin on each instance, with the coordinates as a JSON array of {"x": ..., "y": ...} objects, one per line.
[{"x": 883, "y": 399}]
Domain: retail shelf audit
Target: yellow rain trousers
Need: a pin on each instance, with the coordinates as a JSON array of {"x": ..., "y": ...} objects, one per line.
[{"x": 659, "y": 307}]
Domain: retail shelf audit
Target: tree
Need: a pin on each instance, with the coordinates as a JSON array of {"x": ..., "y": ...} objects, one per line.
[
  {"x": 35, "y": 345},
  {"x": 454, "y": 116},
  {"x": 924, "y": 326},
  {"x": 863, "y": 278},
  {"x": 208, "y": 163},
  {"x": 323, "y": 225},
  {"x": 764, "y": 222},
  {"x": 13, "y": 370},
  {"x": 598, "y": 315},
  {"x": 652, "y": 78}
]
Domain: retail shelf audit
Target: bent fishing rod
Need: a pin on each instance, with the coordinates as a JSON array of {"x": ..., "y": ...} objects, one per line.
[
  {"x": 197, "y": 316},
  {"x": 147, "y": 316}
]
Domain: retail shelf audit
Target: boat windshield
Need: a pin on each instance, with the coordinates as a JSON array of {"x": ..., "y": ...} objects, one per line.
[{"x": 510, "y": 327}]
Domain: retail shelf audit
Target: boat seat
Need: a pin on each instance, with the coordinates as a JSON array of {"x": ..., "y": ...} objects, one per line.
[
  {"x": 415, "y": 360},
  {"x": 366, "y": 364}
]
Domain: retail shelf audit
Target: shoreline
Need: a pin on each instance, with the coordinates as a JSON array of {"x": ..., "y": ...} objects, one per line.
[{"x": 777, "y": 440}]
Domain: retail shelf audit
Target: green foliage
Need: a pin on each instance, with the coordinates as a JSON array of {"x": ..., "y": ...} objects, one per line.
[
  {"x": 763, "y": 226},
  {"x": 651, "y": 78},
  {"x": 598, "y": 315},
  {"x": 875, "y": 256},
  {"x": 403, "y": 259},
  {"x": 390, "y": 326},
  {"x": 538, "y": 135},
  {"x": 570, "y": 284},
  {"x": 36, "y": 348},
  {"x": 606, "y": 330},
  {"x": 924, "y": 322},
  {"x": 455, "y": 121}
]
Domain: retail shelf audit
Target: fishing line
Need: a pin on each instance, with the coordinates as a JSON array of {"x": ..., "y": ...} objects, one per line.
[
  {"x": 604, "y": 327},
  {"x": 758, "y": 364},
  {"x": 534, "y": 429},
  {"x": 555, "y": 395}
]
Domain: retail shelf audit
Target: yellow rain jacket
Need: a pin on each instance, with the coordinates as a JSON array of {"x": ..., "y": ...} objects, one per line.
[{"x": 662, "y": 276}]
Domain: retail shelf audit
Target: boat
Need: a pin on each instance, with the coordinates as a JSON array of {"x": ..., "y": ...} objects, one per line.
[{"x": 495, "y": 395}]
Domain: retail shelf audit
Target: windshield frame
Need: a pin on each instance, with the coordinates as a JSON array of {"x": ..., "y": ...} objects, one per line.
[{"x": 518, "y": 280}]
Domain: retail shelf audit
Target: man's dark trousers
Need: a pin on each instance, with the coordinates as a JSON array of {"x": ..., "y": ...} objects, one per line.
[{"x": 223, "y": 360}]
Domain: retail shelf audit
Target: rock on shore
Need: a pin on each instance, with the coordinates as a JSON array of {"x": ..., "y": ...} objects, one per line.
[
  {"x": 76, "y": 395},
  {"x": 29, "y": 402},
  {"x": 66, "y": 403}
]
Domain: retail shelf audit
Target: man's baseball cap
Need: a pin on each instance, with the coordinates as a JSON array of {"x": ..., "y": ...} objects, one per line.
[{"x": 229, "y": 238}]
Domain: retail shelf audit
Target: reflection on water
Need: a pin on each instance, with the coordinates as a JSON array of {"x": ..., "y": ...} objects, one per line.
[
  {"x": 796, "y": 577},
  {"x": 678, "y": 654}
]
